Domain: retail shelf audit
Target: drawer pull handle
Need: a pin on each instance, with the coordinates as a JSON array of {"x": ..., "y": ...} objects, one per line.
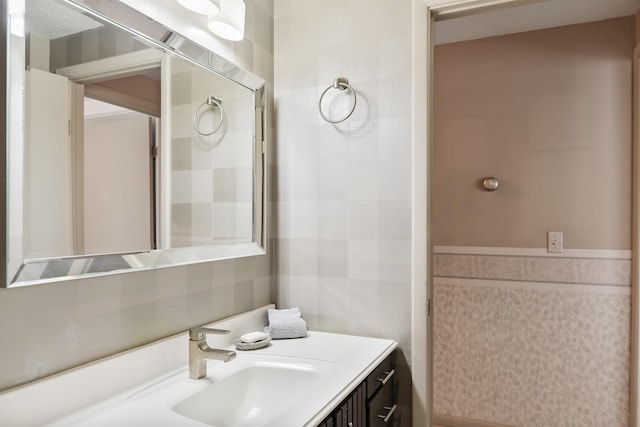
[
  {"x": 388, "y": 377},
  {"x": 391, "y": 410}
]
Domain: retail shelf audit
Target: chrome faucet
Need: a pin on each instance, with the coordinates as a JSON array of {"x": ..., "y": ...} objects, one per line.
[{"x": 200, "y": 352}]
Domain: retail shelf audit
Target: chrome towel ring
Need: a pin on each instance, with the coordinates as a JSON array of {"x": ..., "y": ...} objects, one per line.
[
  {"x": 212, "y": 101},
  {"x": 341, "y": 83}
]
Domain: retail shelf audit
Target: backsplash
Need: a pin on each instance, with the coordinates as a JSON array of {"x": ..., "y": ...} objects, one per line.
[{"x": 516, "y": 347}]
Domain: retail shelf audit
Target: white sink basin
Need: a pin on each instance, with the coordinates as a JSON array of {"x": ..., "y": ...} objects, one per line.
[
  {"x": 253, "y": 394},
  {"x": 250, "y": 390}
]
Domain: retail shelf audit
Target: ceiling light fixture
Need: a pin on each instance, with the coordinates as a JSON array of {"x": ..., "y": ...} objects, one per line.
[
  {"x": 203, "y": 7},
  {"x": 229, "y": 23}
]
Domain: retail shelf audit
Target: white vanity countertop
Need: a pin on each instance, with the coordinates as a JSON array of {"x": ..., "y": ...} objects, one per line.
[{"x": 99, "y": 394}]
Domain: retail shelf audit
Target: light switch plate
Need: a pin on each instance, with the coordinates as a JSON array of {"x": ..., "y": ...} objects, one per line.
[{"x": 554, "y": 241}]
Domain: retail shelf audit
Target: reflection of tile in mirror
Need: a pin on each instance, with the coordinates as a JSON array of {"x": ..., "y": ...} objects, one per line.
[
  {"x": 201, "y": 220},
  {"x": 244, "y": 221},
  {"x": 244, "y": 184},
  {"x": 201, "y": 186},
  {"x": 181, "y": 219},
  {"x": 181, "y": 154},
  {"x": 224, "y": 156},
  {"x": 224, "y": 185},
  {"x": 204, "y": 84},
  {"x": 200, "y": 158},
  {"x": 181, "y": 187},
  {"x": 224, "y": 222}
]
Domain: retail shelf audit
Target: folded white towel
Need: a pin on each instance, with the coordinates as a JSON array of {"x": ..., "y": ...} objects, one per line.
[
  {"x": 284, "y": 314},
  {"x": 287, "y": 323}
]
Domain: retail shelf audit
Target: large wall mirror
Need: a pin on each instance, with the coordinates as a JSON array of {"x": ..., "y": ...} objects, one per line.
[{"x": 128, "y": 146}]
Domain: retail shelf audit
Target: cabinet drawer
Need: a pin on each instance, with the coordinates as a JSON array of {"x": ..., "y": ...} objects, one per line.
[
  {"x": 383, "y": 374},
  {"x": 382, "y": 408}
]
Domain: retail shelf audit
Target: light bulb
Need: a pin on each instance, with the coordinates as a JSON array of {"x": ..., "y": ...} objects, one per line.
[
  {"x": 204, "y": 7},
  {"x": 229, "y": 23}
]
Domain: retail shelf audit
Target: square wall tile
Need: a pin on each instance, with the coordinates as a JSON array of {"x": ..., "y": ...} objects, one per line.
[
  {"x": 100, "y": 295},
  {"x": 363, "y": 307},
  {"x": 363, "y": 219},
  {"x": 394, "y": 219},
  {"x": 362, "y": 259},
  {"x": 243, "y": 297},
  {"x": 333, "y": 219},
  {"x": 138, "y": 323},
  {"x": 332, "y": 258},
  {"x": 263, "y": 291},
  {"x": 395, "y": 260},
  {"x": 304, "y": 257},
  {"x": 172, "y": 313},
  {"x": 304, "y": 294},
  {"x": 333, "y": 297},
  {"x": 138, "y": 289},
  {"x": 171, "y": 282},
  {"x": 283, "y": 291},
  {"x": 199, "y": 278},
  {"x": 223, "y": 301}
]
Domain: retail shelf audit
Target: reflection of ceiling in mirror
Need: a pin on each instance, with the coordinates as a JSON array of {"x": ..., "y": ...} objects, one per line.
[
  {"x": 52, "y": 20},
  {"x": 94, "y": 109}
]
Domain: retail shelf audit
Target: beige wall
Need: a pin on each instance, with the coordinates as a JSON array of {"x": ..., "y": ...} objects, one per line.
[
  {"x": 48, "y": 328},
  {"x": 522, "y": 337},
  {"x": 547, "y": 112}
]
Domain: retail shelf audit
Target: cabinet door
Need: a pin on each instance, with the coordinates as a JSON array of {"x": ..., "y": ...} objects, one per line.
[
  {"x": 358, "y": 407},
  {"x": 328, "y": 422},
  {"x": 352, "y": 412},
  {"x": 382, "y": 407}
]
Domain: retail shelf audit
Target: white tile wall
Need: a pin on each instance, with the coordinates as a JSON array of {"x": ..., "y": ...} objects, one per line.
[{"x": 344, "y": 190}]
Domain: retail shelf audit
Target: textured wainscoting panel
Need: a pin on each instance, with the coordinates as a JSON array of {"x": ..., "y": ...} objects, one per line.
[{"x": 531, "y": 358}]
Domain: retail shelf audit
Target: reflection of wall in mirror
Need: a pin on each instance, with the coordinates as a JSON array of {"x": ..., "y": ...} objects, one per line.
[
  {"x": 211, "y": 176},
  {"x": 15, "y": 152}
]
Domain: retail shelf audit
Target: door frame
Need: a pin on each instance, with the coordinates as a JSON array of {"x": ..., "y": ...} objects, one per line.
[
  {"x": 424, "y": 15},
  {"x": 634, "y": 362}
]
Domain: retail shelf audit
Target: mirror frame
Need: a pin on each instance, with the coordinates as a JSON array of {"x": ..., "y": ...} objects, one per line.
[{"x": 158, "y": 35}]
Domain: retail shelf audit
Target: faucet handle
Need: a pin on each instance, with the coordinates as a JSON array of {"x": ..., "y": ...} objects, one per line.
[{"x": 197, "y": 334}]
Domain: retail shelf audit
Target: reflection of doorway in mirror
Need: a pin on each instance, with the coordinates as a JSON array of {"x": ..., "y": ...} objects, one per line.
[
  {"x": 47, "y": 181},
  {"x": 118, "y": 165}
]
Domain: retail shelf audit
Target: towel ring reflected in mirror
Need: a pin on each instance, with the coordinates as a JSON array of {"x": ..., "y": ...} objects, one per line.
[
  {"x": 341, "y": 83},
  {"x": 213, "y": 102}
]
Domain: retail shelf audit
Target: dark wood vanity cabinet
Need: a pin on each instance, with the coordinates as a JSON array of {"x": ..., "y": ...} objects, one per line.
[{"x": 371, "y": 404}]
